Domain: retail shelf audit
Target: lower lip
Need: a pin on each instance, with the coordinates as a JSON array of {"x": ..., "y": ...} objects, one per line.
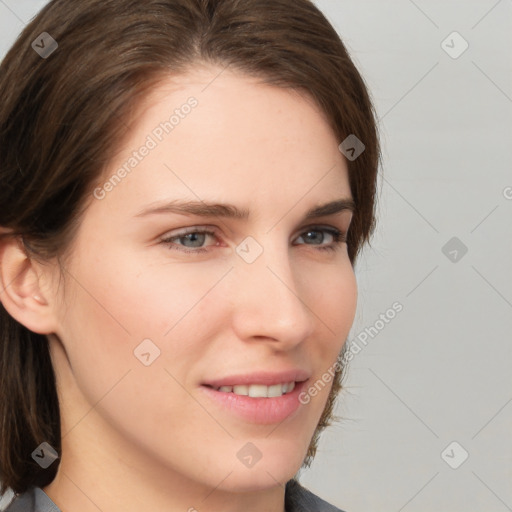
[{"x": 265, "y": 411}]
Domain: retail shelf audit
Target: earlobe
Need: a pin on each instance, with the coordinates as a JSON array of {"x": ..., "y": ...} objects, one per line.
[{"x": 21, "y": 291}]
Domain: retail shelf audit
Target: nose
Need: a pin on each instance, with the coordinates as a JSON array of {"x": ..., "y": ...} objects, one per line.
[{"x": 268, "y": 301}]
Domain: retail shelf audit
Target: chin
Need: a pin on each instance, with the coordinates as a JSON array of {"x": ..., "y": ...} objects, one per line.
[
  {"x": 255, "y": 480},
  {"x": 279, "y": 461}
]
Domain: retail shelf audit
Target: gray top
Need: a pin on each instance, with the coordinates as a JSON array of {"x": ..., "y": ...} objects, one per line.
[{"x": 297, "y": 499}]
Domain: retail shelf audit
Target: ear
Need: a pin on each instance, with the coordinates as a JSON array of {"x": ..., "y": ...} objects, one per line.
[{"x": 23, "y": 290}]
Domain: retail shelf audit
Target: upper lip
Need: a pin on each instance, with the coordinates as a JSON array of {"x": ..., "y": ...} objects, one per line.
[{"x": 261, "y": 377}]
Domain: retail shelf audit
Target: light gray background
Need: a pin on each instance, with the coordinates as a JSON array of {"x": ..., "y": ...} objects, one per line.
[{"x": 440, "y": 370}]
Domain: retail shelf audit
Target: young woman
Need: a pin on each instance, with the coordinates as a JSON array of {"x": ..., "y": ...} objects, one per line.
[{"x": 185, "y": 186}]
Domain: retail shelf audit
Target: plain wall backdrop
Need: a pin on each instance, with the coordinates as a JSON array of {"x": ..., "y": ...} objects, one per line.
[{"x": 426, "y": 413}]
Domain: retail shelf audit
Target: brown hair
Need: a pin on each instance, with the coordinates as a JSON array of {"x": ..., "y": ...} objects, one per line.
[{"x": 63, "y": 115}]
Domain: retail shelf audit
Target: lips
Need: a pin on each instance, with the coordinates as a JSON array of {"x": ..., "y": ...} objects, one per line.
[
  {"x": 264, "y": 378},
  {"x": 258, "y": 397}
]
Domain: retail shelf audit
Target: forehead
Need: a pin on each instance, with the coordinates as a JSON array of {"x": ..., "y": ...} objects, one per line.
[
  {"x": 242, "y": 139},
  {"x": 230, "y": 102}
]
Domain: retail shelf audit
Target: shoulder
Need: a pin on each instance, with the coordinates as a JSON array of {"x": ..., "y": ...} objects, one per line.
[
  {"x": 299, "y": 499},
  {"x": 33, "y": 500}
]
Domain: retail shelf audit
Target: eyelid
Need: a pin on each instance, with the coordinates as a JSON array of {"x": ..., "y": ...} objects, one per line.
[
  {"x": 215, "y": 231},
  {"x": 340, "y": 236},
  {"x": 191, "y": 229}
]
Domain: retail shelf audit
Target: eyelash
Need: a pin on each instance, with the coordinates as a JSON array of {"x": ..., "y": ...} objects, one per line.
[{"x": 338, "y": 236}]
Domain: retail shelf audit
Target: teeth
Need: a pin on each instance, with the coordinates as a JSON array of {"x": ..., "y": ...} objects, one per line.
[
  {"x": 289, "y": 387},
  {"x": 259, "y": 390},
  {"x": 276, "y": 390},
  {"x": 241, "y": 390}
]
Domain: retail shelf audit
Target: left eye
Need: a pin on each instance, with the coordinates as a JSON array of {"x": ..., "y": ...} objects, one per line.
[{"x": 197, "y": 237}]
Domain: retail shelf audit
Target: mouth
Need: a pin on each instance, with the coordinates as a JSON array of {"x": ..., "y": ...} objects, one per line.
[{"x": 259, "y": 398}]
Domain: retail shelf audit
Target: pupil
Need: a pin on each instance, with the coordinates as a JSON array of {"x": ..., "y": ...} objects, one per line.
[
  {"x": 195, "y": 239},
  {"x": 317, "y": 235}
]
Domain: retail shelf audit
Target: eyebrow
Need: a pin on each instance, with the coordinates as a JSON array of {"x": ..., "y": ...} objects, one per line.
[{"x": 204, "y": 209}]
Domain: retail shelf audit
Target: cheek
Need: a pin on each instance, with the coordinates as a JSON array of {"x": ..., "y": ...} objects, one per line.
[
  {"x": 333, "y": 295},
  {"x": 118, "y": 302},
  {"x": 335, "y": 305},
  {"x": 107, "y": 320}
]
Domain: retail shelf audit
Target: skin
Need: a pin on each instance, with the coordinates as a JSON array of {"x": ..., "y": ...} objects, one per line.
[{"x": 139, "y": 437}]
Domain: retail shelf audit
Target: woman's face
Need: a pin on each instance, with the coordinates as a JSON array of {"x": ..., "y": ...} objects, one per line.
[{"x": 146, "y": 327}]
